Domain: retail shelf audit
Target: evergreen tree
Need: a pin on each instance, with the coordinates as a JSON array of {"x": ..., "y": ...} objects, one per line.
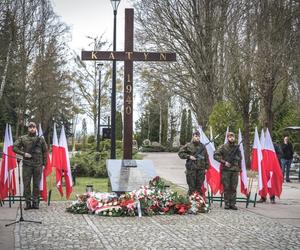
[
  {"x": 154, "y": 119},
  {"x": 183, "y": 127},
  {"x": 164, "y": 125},
  {"x": 189, "y": 126}
]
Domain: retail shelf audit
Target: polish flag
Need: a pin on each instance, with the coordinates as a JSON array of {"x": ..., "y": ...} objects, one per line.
[
  {"x": 4, "y": 175},
  {"x": 46, "y": 171},
  {"x": 256, "y": 165},
  {"x": 56, "y": 161},
  {"x": 12, "y": 164},
  {"x": 274, "y": 173},
  {"x": 65, "y": 162},
  {"x": 243, "y": 174},
  {"x": 213, "y": 174}
]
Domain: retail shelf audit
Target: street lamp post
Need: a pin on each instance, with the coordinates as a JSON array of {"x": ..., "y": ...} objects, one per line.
[
  {"x": 115, "y": 5},
  {"x": 99, "y": 107}
]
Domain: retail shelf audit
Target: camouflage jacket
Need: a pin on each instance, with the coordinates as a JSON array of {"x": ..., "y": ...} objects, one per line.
[
  {"x": 196, "y": 150},
  {"x": 34, "y": 145},
  {"x": 230, "y": 153}
]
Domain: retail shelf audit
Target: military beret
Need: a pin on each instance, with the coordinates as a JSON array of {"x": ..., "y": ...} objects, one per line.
[
  {"x": 230, "y": 134},
  {"x": 196, "y": 133},
  {"x": 31, "y": 124}
]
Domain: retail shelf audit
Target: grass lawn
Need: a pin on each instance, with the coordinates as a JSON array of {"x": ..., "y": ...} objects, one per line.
[{"x": 99, "y": 185}]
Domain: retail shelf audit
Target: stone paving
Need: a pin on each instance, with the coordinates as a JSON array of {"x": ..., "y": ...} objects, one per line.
[{"x": 219, "y": 229}]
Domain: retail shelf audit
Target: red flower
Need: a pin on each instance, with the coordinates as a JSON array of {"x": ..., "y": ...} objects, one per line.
[
  {"x": 165, "y": 209},
  {"x": 92, "y": 203},
  {"x": 182, "y": 210}
]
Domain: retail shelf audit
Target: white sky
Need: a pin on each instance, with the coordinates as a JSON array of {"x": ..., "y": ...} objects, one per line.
[{"x": 92, "y": 18}]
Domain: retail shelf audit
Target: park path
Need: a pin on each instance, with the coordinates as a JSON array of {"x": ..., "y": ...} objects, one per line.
[{"x": 168, "y": 166}]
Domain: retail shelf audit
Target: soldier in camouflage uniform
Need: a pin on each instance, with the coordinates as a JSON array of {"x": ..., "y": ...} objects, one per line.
[
  {"x": 34, "y": 152},
  {"x": 196, "y": 163},
  {"x": 230, "y": 157}
]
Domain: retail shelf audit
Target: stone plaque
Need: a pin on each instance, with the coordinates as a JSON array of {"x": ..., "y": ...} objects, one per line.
[{"x": 129, "y": 175}]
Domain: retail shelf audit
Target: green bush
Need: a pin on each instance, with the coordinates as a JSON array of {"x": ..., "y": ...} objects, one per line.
[
  {"x": 91, "y": 139},
  {"x": 87, "y": 165},
  {"x": 151, "y": 148},
  {"x": 1, "y": 146}
]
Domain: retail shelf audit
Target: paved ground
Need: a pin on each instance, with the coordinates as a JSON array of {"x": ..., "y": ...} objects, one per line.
[
  {"x": 266, "y": 226},
  {"x": 286, "y": 209}
]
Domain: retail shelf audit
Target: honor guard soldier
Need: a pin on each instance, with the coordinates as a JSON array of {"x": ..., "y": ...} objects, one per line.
[
  {"x": 196, "y": 163},
  {"x": 34, "y": 151},
  {"x": 230, "y": 157}
]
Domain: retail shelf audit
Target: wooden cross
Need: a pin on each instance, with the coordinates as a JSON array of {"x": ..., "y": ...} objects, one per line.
[{"x": 128, "y": 56}]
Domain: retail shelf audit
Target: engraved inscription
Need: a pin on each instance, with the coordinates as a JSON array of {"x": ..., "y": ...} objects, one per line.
[
  {"x": 112, "y": 56},
  {"x": 128, "y": 78},
  {"x": 128, "y": 99},
  {"x": 128, "y": 110},
  {"x": 128, "y": 88},
  {"x": 129, "y": 55},
  {"x": 94, "y": 55},
  {"x": 146, "y": 56},
  {"x": 162, "y": 56}
]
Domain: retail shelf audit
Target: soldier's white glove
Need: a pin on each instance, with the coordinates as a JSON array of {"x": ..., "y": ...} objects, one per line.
[
  {"x": 27, "y": 155},
  {"x": 227, "y": 164}
]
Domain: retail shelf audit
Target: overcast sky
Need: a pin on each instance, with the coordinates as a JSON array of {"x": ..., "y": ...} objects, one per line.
[{"x": 91, "y": 18}]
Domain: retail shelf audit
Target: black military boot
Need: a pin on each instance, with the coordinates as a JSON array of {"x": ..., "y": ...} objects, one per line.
[
  {"x": 233, "y": 207},
  {"x": 227, "y": 206},
  {"x": 35, "y": 205},
  {"x": 262, "y": 200},
  {"x": 27, "y": 205}
]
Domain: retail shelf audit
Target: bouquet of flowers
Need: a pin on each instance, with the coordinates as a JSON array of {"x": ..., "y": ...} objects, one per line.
[
  {"x": 198, "y": 204},
  {"x": 148, "y": 200}
]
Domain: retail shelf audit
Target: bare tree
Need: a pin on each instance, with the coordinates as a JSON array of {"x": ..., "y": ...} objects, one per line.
[{"x": 193, "y": 29}]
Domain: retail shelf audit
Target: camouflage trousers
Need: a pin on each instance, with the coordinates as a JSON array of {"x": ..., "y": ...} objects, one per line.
[
  {"x": 230, "y": 182},
  {"x": 35, "y": 173},
  {"x": 195, "y": 179}
]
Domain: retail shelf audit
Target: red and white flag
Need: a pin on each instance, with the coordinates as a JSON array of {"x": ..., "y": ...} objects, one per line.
[
  {"x": 46, "y": 171},
  {"x": 56, "y": 161},
  {"x": 12, "y": 164},
  {"x": 65, "y": 162},
  {"x": 213, "y": 174},
  {"x": 243, "y": 174},
  {"x": 256, "y": 165},
  {"x": 4, "y": 175},
  {"x": 271, "y": 162}
]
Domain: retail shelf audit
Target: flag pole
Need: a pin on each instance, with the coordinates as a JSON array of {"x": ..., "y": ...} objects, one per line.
[
  {"x": 50, "y": 189},
  {"x": 250, "y": 183},
  {"x": 255, "y": 197}
]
